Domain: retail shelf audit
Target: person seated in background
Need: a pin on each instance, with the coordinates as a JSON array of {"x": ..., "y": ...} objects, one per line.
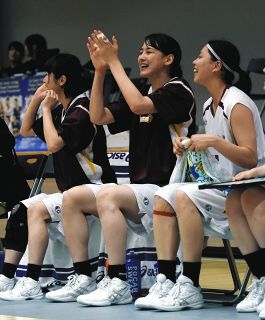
[
  {"x": 79, "y": 154},
  {"x": 35, "y": 45},
  {"x": 13, "y": 186},
  {"x": 16, "y": 54},
  {"x": 154, "y": 115},
  {"x": 246, "y": 215},
  {"x": 233, "y": 140}
]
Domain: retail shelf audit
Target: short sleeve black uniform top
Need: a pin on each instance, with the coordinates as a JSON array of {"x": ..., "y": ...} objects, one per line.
[
  {"x": 151, "y": 157},
  {"x": 83, "y": 159},
  {"x": 7, "y": 141}
]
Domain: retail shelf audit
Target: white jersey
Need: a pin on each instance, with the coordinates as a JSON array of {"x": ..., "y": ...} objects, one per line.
[{"x": 219, "y": 125}]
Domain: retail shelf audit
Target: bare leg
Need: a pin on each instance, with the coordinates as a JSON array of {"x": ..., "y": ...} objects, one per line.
[
  {"x": 253, "y": 203},
  {"x": 77, "y": 203},
  {"x": 114, "y": 204},
  {"x": 12, "y": 256},
  {"x": 166, "y": 232},
  {"x": 190, "y": 227},
  {"x": 38, "y": 215},
  {"x": 239, "y": 224}
]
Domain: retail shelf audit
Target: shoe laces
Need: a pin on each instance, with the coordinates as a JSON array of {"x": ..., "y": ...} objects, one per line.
[
  {"x": 160, "y": 289},
  {"x": 175, "y": 291},
  {"x": 156, "y": 287},
  {"x": 72, "y": 280},
  {"x": 19, "y": 287},
  {"x": 105, "y": 284}
]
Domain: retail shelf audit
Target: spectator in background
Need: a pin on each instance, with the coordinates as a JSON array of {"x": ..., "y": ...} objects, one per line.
[
  {"x": 35, "y": 45},
  {"x": 16, "y": 54}
]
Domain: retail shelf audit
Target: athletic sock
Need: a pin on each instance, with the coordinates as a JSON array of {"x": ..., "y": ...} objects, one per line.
[
  {"x": 9, "y": 270},
  {"x": 168, "y": 268},
  {"x": 256, "y": 262},
  {"x": 192, "y": 270},
  {"x": 33, "y": 271},
  {"x": 83, "y": 267},
  {"x": 117, "y": 271}
]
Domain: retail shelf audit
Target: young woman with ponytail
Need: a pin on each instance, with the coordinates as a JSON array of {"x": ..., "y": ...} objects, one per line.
[{"x": 233, "y": 136}]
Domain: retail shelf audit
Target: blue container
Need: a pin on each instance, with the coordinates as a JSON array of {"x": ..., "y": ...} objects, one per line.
[
  {"x": 2, "y": 257},
  {"x": 133, "y": 266}
]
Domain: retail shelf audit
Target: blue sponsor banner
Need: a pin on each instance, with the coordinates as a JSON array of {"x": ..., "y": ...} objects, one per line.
[{"x": 15, "y": 94}]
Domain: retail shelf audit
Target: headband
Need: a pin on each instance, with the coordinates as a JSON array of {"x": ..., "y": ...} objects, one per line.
[{"x": 218, "y": 58}]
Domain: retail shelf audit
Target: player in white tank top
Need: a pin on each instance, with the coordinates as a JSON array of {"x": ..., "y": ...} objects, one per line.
[{"x": 234, "y": 135}]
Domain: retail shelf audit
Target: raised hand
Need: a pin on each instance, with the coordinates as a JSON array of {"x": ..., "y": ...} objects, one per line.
[
  {"x": 50, "y": 100},
  {"x": 97, "y": 60},
  {"x": 40, "y": 93},
  {"x": 107, "y": 50}
]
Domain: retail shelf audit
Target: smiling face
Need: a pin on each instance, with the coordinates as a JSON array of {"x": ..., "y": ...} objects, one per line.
[
  {"x": 204, "y": 67},
  {"x": 151, "y": 61}
]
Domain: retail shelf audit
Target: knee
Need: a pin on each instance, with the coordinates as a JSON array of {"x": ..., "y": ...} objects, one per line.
[
  {"x": 37, "y": 213},
  {"x": 16, "y": 237},
  {"x": 71, "y": 197},
  {"x": 105, "y": 201},
  {"x": 182, "y": 202}
]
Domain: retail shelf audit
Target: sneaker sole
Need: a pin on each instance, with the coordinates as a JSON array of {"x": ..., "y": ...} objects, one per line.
[
  {"x": 55, "y": 299},
  {"x": 179, "y": 308},
  {"x": 246, "y": 310},
  {"x": 102, "y": 303},
  {"x": 40, "y": 296},
  {"x": 143, "y": 306}
]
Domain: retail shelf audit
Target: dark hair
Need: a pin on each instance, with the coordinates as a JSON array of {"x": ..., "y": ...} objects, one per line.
[
  {"x": 18, "y": 46},
  {"x": 229, "y": 54},
  {"x": 35, "y": 42},
  {"x": 167, "y": 45},
  {"x": 68, "y": 65}
]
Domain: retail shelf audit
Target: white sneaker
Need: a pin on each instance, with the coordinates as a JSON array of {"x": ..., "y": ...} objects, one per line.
[
  {"x": 262, "y": 314},
  {"x": 76, "y": 285},
  {"x": 24, "y": 289},
  {"x": 261, "y": 306},
  {"x": 158, "y": 291},
  {"x": 109, "y": 291},
  {"x": 184, "y": 295},
  {"x": 254, "y": 297},
  {"x": 6, "y": 283}
]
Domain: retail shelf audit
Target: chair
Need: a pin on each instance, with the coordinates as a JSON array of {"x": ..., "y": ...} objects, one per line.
[
  {"x": 224, "y": 296},
  {"x": 227, "y": 297},
  {"x": 34, "y": 167}
]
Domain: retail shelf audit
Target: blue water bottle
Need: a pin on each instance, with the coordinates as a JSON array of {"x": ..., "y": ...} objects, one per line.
[
  {"x": 133, "y": 266},
  {"x": 2, "y": 258}
]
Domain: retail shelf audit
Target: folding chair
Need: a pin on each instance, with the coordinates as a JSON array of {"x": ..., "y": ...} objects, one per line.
[
  {"x": 34, "y": 167},
  {"x": 226, "y": 296}
]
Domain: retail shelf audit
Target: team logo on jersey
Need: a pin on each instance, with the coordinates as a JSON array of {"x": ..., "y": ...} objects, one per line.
[
  {"x": 146, "y": 201},
  {"x": 208, "y": 207},
  {"x": 58, "y": 210}
]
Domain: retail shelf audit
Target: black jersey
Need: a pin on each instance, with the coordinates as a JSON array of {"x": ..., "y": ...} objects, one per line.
[
  {"x": 83, "y": 159},
  {"x": 151, "y": 157}
]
